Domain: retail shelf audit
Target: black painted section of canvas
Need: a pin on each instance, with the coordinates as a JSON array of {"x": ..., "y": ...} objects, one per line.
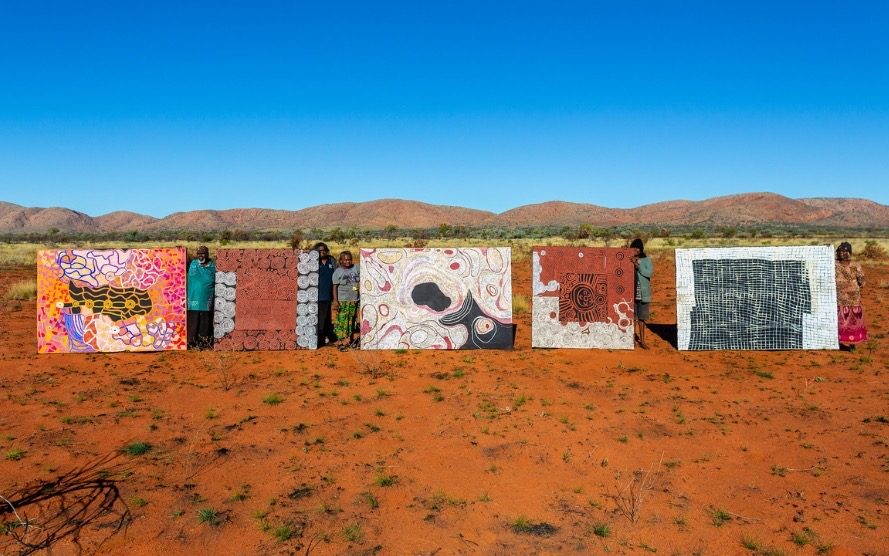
[{"x": 749, "y": 304}]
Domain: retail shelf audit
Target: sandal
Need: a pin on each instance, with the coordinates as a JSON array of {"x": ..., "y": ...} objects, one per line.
[{"x": 343, "y": 347}]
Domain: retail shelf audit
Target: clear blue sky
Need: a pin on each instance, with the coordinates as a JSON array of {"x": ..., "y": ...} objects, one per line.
[{"x": 159, "y": 106}]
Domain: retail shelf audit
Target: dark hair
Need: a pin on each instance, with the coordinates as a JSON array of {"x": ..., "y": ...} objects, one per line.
[
  {"x": 845, "y": 246},
  {"x": 319, "y": 244},
  {"x": 203, "y": 248},
  {"x": 345, "y": 253},
  {"x": 637, "y": 244}
]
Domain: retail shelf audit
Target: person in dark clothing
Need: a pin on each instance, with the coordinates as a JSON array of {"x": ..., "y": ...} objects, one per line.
[
  {"x": 326, "y": 266},
  {"x": 200, "y": 288},
  {"x": 644, "y": 270}
]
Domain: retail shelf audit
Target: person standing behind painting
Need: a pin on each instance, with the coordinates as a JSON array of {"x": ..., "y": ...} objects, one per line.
[
  {"x": 850, "y": 315},
  {"x": 326, "y": 266},
  {"x": 200, "y": 284},
  {"x": 345, "y": 301},
  {"x": 644, "y": 270}
]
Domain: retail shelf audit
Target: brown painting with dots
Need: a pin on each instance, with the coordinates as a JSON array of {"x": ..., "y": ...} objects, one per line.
[
  {"x": 583, "y": 297},
  {"x": 266, "y": 299}
]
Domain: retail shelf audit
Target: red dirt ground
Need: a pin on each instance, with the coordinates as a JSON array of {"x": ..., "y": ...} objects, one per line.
[{"x": 498, "y": 452}]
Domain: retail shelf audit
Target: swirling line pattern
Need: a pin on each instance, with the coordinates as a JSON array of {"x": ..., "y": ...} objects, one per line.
[
  {"x": 582, "y": 298},
  {"x": 266, "y": 299},
  {"x": 416, "y": 298},
  {"x": 110, "y": 300}
]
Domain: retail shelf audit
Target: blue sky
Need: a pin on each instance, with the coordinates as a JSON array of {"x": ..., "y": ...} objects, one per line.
[{"x": 158, "y": 107}]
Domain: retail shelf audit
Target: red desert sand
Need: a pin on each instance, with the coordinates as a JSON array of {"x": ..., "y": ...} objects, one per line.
[{"x": 467, "y": 452}]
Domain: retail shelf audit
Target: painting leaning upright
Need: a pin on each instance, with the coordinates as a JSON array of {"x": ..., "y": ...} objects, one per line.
[
  {"x": 583, "y": 297},
  {"x": 436, "y": 298},
  {"x": 756, "y": 298},
  {"x": 91, "y": 300}
]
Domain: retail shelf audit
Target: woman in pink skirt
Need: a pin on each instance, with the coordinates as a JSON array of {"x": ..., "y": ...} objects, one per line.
[{"x": 850, "y": 315}]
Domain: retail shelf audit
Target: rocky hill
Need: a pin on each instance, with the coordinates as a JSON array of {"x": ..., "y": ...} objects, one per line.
[{"x": 733, "y": 210}]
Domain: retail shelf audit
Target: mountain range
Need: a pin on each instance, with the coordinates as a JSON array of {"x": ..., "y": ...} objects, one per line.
[{"x": 747, "y": 209}]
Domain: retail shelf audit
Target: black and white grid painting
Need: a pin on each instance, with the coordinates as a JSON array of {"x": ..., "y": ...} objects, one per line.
[{"x": 756, "y": 298}]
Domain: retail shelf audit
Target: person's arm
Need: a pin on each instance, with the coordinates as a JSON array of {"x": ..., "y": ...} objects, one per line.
[
  {"x": 645, "y": 267},
  {"x": 336, "y": 290},
  {"x": 859, "y": 275}
]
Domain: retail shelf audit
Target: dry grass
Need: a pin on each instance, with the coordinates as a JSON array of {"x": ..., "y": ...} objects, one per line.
[
  {"x": 520, "y": 304},
  {"x": 23, "y": 254},
  {"x": 26, "y": 290}
]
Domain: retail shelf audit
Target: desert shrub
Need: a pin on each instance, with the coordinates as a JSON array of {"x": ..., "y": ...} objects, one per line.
[
  {"x": 297, "y": 238},
  {"x": 25, "y": 290},
  {"x": 874, "y": 251}
]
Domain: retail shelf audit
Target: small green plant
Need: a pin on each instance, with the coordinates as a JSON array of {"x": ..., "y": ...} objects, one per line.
[
  {"x": 137, "y": 448},
  {"x": 241, "y": 494},
  {"x": 15, "y": 454},
  {"x": 866, "y": 522},
  {"x": 211, "y": 414},
  {"x": 76, "y": 420},
  {"x": 384, "y": 480},
  {"x": 209, "y": 516},
  {"x": 764, "y": 374},
  {"x": 524, "y": 526},
  {"x": 273, "y": 399},
  {"x": 800, "y": 539},
  {"x": 371, "y": 500},
  {"x": 778, "y": 470},
  {"x": 352, "y": 533},
  {"x": 301, "y": 492},
  {"x": 751, "y": 543},
  {"x": 602, "y": 529},
  {"x": 282, "y": 533},
  {"x": 436, "y": 393},
  {"x": 720, "y": 517}
]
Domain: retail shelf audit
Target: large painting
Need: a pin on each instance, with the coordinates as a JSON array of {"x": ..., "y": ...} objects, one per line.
[
  {"x": 266, "y": 299},
  {"x": 91, "y": 300},
  {"x": 756, "y": 298},
  {"x": 582, "y": 297},
  {"x": 451, "y": 298}
]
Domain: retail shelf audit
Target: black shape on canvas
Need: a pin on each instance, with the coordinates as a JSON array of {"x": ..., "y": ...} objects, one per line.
[
  {"x": 430, "y": 295},
  {"x": 750, "y": 304},
  {"x": 485, "y": 332}
]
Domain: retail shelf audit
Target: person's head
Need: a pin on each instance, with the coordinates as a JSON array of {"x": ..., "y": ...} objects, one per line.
[
  {"x": 203, "y": 254},
  {"x": 638, "y": 246},
  {"x": 345, "y": 259},
  {"x": 322, "y": 249},
  {"x": 844, "y": 251}
]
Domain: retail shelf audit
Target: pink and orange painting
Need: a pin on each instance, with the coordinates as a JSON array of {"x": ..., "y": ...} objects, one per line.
[{"x": 91, "y": 300}]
